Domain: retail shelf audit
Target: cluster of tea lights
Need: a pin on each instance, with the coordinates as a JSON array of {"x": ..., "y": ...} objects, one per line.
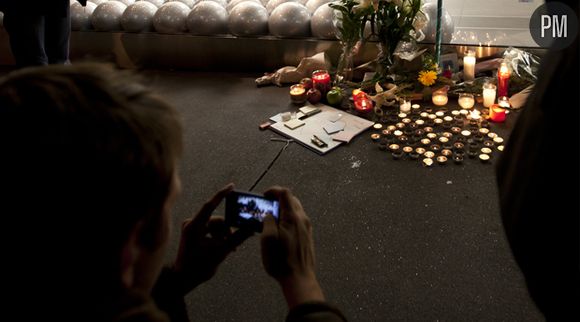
[{"x": 437, "y": 135}]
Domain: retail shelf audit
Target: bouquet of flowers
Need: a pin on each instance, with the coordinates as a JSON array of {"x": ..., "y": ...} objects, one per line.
[{"x": 391, "y": 21}]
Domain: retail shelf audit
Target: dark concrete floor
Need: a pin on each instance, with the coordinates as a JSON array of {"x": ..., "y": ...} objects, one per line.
[{"x": 394, "y": 241}]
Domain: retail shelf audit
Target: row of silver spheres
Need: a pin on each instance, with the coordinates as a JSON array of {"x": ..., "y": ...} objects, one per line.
[{"x": 280, "y": 18}]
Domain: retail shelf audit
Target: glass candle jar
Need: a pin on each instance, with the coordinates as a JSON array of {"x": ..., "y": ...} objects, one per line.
[
  {"x": 439, "y": 98},
  {"x": 466, "y": 100}
]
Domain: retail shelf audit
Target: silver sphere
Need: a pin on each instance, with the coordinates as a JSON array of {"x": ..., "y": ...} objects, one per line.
[
  {"x": 80, "y": 17},
  {"x": 207, "y": 18},
  {"x": 157, "y": 3},
  {"x": 234, "y": 3},
  {"x": 127, "y": 2},
  {"x": 290, "y": 19},
  {"x": 223, "y": 3},
  {"x": 312, "y": 5},
  {"x": 189, "y": 3},
  {"x": 171, "y": 18},
  {"x": 447, "y": 25},
  {"x": 138, "y": 17},
  {"x": 107, "y": 16},
  {"x": 321, "y": 23},
  {"x": 273, "y": 4},
  {"x": 248, "y": 19}
]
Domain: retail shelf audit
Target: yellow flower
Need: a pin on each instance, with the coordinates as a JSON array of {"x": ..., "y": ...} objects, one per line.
[{"x": 427, "y": 78}]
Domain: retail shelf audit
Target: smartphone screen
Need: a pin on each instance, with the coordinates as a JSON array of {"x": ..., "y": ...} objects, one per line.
[{"x": 247, "y": 210}]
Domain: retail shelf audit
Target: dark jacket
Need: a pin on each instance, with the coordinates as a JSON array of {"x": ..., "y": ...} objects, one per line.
[
  {"x": 174, "y": 307},
  {"x": 35, "y": 7},
  {"x": 538, "y": 179}
]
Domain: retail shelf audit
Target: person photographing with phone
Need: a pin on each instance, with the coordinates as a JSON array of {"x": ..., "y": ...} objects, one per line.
[{"x": 89, "y": 170}]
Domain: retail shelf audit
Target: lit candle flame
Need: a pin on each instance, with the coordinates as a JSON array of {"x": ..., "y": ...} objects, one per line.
[
  {"x": 475, "y": 115},
  {"x": 504, "y": 69}
]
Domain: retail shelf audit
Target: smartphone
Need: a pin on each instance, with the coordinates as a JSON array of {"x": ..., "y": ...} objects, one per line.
[{"x": 248, "y": 211}]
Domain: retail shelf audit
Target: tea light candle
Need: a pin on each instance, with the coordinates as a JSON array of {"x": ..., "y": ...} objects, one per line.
[
  {"x": 439, "y": 113},
  {"x": 458, "y": 159},
  {"x": 394, "y": 147},
  {"x": 402, "y": 115},
  {"x": 446, "y": 152},
  {"x": 419, "y": 122},
  {"x": 406, "y": 120},
  {"x": 425, "y": 141},
  {"x": 429, "y": 154},
  {"x": 428, "y": 129},
  {"x": 496, "y": 113},
  {"x": 455, "y": 113},
  {"x": 298, "y": 94},
  {"x": 503, "y": 77},
  {"x": 439, "y": 98},
  {"x": 391, "y": 128},
  {"x": 442, "y": 159},
  {"x": 503, "y": 102},
  {"x": 398, "y": 133},
  {"x": 498, "y": 140},
  {"x": 321, "y": 81},
  {"x": 456, "y": 130},
  {"x": 377, "y": 126},
  {"x": 405, "y": 107},
  {"x": 486, "y": 150},
  {"x": 420, "y": 150},
  {"x": 488, "y": 94},
  {"x": 466, "y": 100},
  {"x": 448, "y": 118},
  {"x": 469, "y": 66},
  {"x": 443, "y": 139},
  {"x": 375, "y": 136},
  {"x": 466, "y": 133},
  {"x": 400, "y": 125},
  {"x": 484, "y": 158},
  {"x": 362, "y": 102},
  {"x": 407, "y": 149},
  {"x": 415, "y": 107},
  {"x": 427, "y": 162},
  {"x": 492, "y": 135},
  {"x": 424, "y": 114},
  {"x": 484, "y": 131},
  {"x": 438, "y": 121},
  {"x": 500, "y": 148},
  {"x": 488, "y": 143}
]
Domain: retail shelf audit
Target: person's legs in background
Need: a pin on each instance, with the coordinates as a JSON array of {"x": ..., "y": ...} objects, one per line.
[
  {"x": 26, "y": 34},
  {"x": 56, "y": 37}
]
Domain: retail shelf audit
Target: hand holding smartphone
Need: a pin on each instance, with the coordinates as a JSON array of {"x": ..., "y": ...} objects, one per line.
[{"x": 247, "y": 210}]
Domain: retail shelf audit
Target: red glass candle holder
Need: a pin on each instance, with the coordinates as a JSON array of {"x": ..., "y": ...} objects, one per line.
[
  {"x": 496, "y": 113},
  {"x": 321, "y": 81},
  {"x": 503, "y": 77},
  {"x": 362, "y": 102}
]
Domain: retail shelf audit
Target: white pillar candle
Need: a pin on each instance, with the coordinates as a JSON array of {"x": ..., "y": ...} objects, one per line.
[
  {"x": 488, "y": 94},
  {"x": 469, "y": 66}
]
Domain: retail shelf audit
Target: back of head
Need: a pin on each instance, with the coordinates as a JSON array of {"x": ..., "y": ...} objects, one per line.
[{"x": 87, "y": 153}]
